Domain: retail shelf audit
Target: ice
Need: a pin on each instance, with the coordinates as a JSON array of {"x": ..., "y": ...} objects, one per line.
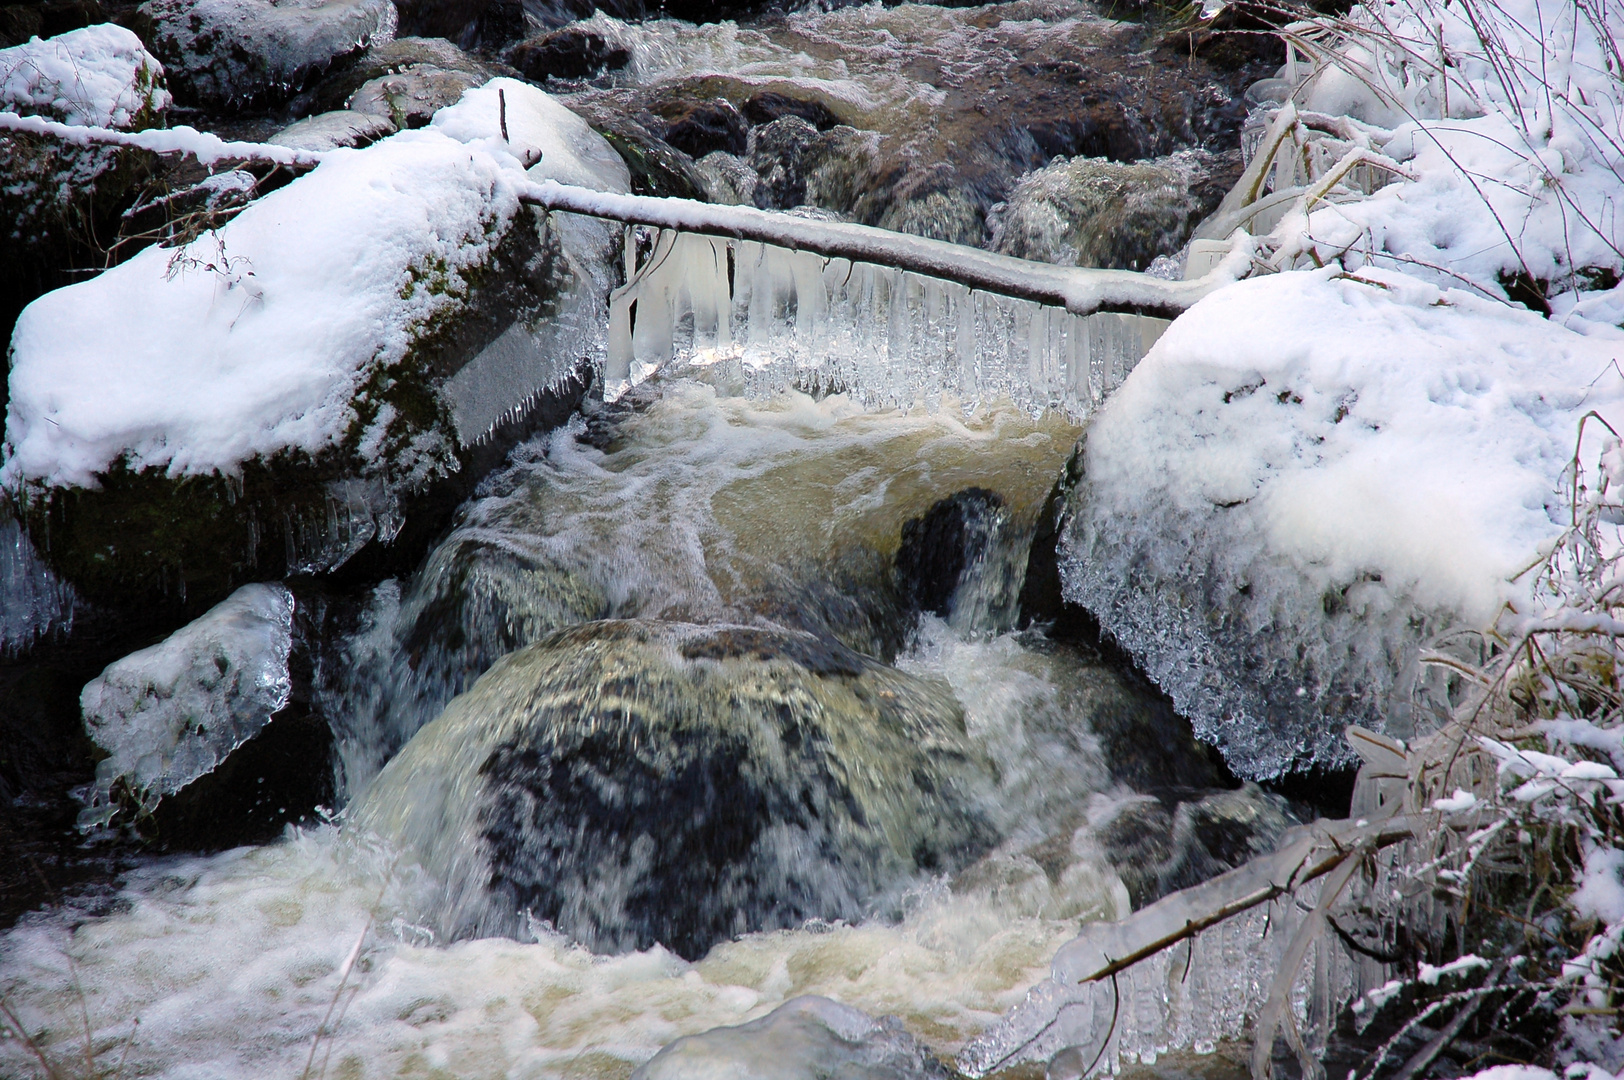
[
  {"x": 888, "y": 337},
  {"x": 170, "y": 713},
  {"x": 1307, "y": 476},
  {"x": 34, "y": 603},
  {"x": 806, "y": 1038},
  {"x": 97, "y": 75}
]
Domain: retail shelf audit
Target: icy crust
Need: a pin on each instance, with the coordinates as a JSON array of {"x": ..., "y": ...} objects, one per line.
[
  {"x": 1308, "y": 475},
  {"x": 259, "y": 337},
  {"x": 97, "y": 75},
  {"x": 170, "y": 713},
  {"x": 231, "y": 50},
  {"x": 34, "y": 603}
]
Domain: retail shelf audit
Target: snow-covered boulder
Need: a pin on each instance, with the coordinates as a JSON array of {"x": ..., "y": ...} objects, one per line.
[
  {"x": 170, "y": 713},
  {"x": 1308, "y": 476},
  {"x": 260, "y": 401},
  {"x": 220, "y": 51},
  {"x": 98, "y": 75}
]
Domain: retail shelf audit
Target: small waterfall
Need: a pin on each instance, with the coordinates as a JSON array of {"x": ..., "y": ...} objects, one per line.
[{"x": 889, "y": 338}]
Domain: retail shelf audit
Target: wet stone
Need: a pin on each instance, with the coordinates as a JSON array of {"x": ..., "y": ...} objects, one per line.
[
  {"x": 334, "y": 90},
  {"x": 637, "y": 782},
  {"x": 411, "y": 98},
  {"x": 767, "y": 107},
  {"x": 331, "y": 130},
  {"x": 570, "y": 53},
  {"x": 709, "y": 126},
  {"x": 938, "y": 549},
  {"x": 467, "y": 23}
]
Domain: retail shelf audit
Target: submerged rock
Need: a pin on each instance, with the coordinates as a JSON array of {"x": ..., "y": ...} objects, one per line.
[
  {"x": 638, "y": 782},
  {"x": 224, "y": 51},
  {"x": 806, "y": 1038},
  {"x": 169, "y": 714},
  {"x": 1094, "y": 212}
]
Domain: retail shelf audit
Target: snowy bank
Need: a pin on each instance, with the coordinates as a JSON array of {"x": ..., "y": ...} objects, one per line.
[
  {"x": 341, "y": 326},
  {"x": 1308, "y": 475}
]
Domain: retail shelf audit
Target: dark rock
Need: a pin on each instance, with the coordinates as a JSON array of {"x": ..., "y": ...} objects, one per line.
[
  {"x": 19, "y": 22},
  {"x": 657, "y": 167},
  {"x": 780, "y": 159},
  {"x": 937, "y": 549},
  {"x": 557, "y": 14},
  {"x": 1185, "y": 837},
  {"x": 767, "y": 107},
  {"x": 641, "y": 782},
  {"x": 489, "y": 24},
  {"x": 570, "y": 53},
  {"x": 709, "y": 126}
]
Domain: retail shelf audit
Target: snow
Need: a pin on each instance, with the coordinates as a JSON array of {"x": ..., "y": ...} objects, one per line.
[
  {"x": 206, "y": 147},
  {"x": 170, "y": 713},
  {"x": 96, "y": 75},
  {"x": 256, "y": 338},
  {"x": 1375, "y": 440},
  {"x": 1600, "y": 894},
  {"x": 570, "y": 151}
]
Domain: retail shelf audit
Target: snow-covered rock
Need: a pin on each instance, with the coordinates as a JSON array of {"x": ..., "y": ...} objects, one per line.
[
  {"x": 804, "y": 1038},
  {"x": 337, "y": 345},
  {"x": 1307, "y": 476},
  {"x": 170, "y": 713},
  {"x": 98, "y": 75},
  {"x": 235, "y": 50}
]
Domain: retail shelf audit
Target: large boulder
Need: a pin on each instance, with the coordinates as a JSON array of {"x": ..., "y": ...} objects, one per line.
[
  {"x": 639, "y": 782},
  {"x": 221, "y": 52},
  {"x": 61, "y": 203},
  {"x": 271, "y": 398},
  {"x": 1307, "y": 478}
]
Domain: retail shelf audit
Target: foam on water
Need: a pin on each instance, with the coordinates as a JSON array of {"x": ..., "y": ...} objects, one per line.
[{"x": 232, "y": 962}]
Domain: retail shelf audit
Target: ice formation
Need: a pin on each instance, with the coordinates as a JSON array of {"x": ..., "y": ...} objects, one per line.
[
  {"x": 97, "y": 75},
  {"x": 234, "y": 50},
  {"x": 888, "y": 337},
  {"x": 256, "y": 338},
  {"x": 1308, "y": 475},
  {"x": 806, "y": 1038},
  {"x": 34, "y": 602},
  {"x": 170, "y": 713}
]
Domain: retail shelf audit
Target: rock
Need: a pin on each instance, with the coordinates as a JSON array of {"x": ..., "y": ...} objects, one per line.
[
  {"x": 330, "y": 130},
  {"x": 657, "y": 168},
  {"x": 767, "y": 107},
  {"x": 637, "y": 782},
  {"x": 727, "y": 179},
  {"x": 570, "y": 53},
  {"x": 1094, "y": 212},
  {"x": 779, "y": 158},
  {"x": 219, "y": 52},
  {"x": 411, "y": 98},
  {"x": 334, "y": 90},
  {"x": 20, "y": 22},
  {"x": 942, "y": 550},
  {"x": 488, "y": 24},
  {"x": 707, "y": 127},
  {"x": 169, "y": 714},
  {"x": 447, "y": 314},
  {"x": 1182, "y": 837},
  {"x": 806, "y": 1038}
]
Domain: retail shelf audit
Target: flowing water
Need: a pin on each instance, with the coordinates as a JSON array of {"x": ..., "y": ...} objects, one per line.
[
  {"x": 706, "y": 702},
  {"x": 683, "y": 508}
]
